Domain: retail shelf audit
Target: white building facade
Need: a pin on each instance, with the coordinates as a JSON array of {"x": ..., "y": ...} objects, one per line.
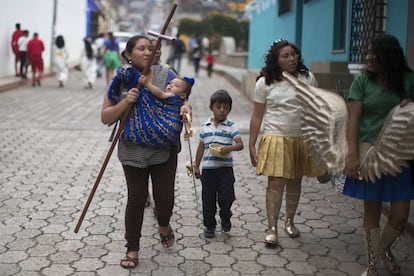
[{"x": 38, "y": 16}]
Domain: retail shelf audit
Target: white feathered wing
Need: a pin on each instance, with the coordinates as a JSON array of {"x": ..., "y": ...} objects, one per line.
[
  {"x": 394, "y": 145},
  {"x": 324, "y": 120}
]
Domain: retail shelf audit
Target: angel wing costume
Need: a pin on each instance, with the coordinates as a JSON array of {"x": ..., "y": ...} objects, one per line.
[{"x": 324, "y": 121}]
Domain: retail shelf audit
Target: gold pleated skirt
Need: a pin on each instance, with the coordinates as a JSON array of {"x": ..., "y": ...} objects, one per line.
[{"x": 286, "y": 157}]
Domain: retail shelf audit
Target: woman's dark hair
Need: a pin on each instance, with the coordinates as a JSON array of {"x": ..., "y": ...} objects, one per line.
[
  {"x": 271, "y": 71},
  {"x": 132, "y": 41},
  {"x": 390, "y": 61},
  {"x": 221, "y": 96},
  {"x": 88, "y": 48},
  {"x": 60, "y": 42}
]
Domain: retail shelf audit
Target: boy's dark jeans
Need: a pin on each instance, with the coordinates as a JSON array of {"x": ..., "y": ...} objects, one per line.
[{"x": 218, "y": 187}]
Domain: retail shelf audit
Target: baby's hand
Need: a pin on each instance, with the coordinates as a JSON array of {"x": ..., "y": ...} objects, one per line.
[{"x": 143, "y": 79}]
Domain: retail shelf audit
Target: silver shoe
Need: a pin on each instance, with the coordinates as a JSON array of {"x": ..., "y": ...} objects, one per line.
[
  {"x": 390, "y": 262},
  {"x": 367, "y": 272},
  {"x": 290, "y": 229},
  {"x": 271, "y": 237},
  {"x": 388, "y": 237}
]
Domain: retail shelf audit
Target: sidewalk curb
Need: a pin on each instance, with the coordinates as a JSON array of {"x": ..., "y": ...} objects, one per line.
[
  {"x": 12, "y": 85},
  {"x": 231, "y": 79},
  {"x": 21, "y": 82}
]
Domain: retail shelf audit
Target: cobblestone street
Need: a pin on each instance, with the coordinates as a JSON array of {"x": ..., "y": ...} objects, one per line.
[{"x": 52, "y": 145}]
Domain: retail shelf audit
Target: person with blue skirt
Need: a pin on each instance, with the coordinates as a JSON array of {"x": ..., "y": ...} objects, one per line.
[{"x": 386, "y": 82}]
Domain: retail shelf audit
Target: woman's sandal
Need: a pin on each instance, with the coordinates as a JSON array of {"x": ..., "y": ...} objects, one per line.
[
  {"x": 129, "y": 262},
  {"x": 271, "y": 238},
  {"x": 165, "y": 240}
]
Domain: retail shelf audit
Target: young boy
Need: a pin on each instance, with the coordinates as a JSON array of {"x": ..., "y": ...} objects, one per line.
[{"x": 217, "y": 177}]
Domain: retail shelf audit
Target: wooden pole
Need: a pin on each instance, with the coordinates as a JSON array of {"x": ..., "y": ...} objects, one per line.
[{"x": 123, "y": 121}]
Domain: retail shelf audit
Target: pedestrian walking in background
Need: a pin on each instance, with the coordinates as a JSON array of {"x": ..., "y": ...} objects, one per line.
[
  {"x": 205, "y": 43},
  {"x": 282, "y": 153},
  {"x": 15, "y": 48},
  {"x": 196, "y": 55},
  {"x": 140, "y": 161},
  {"x": 210, "y": 62},
  {"x": 219, "y": 137},
  {"x": 22, "y": 44},
  {"x": 111, "y": 57},
  {"x": 61, "y": 60},
  {"x": 100, "y": 47},
  {"x": 35, "y": 48},
  {"x": 191, "y": 42},
  {"x": 88, "y": 64},
  {"x": 386, "y": 83},
  {"x": 177, "y": 53}
]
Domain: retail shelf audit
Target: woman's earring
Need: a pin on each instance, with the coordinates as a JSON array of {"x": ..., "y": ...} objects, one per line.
[{"x": 129, "y": 61}]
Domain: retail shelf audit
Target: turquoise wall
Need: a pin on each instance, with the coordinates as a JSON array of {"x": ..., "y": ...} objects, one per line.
[
  {"x": 317, "y": 27},
  {"x": 261, "y": 34},
  {"x": 397, "y": 21},
  {"x": 318, "y": 33},
  {"x": 265, "y": 27}
]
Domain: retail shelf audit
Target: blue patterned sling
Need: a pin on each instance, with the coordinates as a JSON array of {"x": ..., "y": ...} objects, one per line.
[{"x": 152, "y": 121}]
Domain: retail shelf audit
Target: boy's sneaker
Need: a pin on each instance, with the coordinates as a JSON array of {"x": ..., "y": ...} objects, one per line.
[
  {"x": 209, "y": 232},
  {"x": 226, "y": 226}
]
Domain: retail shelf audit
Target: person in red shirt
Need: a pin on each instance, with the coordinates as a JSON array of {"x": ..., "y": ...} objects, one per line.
[
  {"x": 210, "y": 62},
  {"x": 35, "y": 48},
  {"x": 15, "y": 37}
]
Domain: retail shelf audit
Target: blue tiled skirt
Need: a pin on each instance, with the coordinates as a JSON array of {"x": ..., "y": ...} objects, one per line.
[{"x": 388, "y": 189}]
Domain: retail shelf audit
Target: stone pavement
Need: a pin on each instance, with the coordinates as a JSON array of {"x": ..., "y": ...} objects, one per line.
[{"x": 51, "y": 148}]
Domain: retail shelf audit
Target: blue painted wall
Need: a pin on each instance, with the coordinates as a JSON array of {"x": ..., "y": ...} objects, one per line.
[
  {"x": 318, "y": 32},
  {"x": 317, "y": 28},
  {"x": 397, "y": 20},
  {"x": 260, "y": 36},
  {"x": 265, "y": 27}
]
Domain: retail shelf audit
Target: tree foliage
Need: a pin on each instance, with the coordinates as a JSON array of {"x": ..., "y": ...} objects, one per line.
[{"x": 217, "y": 25}]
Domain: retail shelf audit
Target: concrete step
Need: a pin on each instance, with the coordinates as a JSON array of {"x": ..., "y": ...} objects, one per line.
[
  {"x": 329, "y": 66},
  {"x": 332, "y": 81}
]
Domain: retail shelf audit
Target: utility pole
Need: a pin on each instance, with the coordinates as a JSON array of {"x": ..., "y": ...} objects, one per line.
[{"x": 52, "y": 56}]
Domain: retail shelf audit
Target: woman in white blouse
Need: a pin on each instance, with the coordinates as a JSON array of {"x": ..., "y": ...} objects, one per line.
[{"x": 282, "y": 155}]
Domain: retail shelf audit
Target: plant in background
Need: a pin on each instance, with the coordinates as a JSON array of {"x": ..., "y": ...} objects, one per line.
[{"x": 216, "y": 24}]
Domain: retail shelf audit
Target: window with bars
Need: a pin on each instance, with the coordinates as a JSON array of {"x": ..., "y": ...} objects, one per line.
[
  {"x": 368, "y": 19},
  {"x": 340, "y": 19},
  {"x": 94, "y": 24}
]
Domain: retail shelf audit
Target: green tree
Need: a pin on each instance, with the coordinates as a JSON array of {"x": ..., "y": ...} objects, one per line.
[{"x": 217, "y": 24}]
